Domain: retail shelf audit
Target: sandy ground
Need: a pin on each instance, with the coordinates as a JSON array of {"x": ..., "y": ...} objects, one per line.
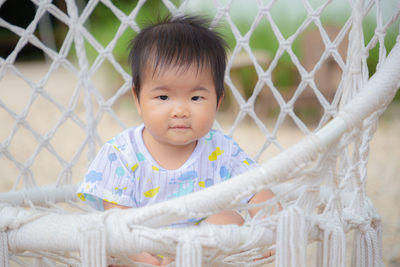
[{"x": 42, "y": 116}]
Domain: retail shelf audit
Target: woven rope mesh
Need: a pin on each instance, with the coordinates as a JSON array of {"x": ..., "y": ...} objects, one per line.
[{"x": 287, "y": 60}]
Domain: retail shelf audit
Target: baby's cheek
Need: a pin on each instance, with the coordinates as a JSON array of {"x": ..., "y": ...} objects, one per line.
[{"x": 207, "y": 119}]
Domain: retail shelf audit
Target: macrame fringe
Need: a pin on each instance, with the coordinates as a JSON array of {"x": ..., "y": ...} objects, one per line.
[
  {"x": 188, "y": 254},
  {"x": 291, "y": 239},
  {"x": 43, "y": 262},
  {"x": 366, "y": 248},
  {"x": 93, "y": 248},
  {"x": 334, "y": 247},
  {"x": 4, "y": 260},
  {"x": 378, "y": 230}
]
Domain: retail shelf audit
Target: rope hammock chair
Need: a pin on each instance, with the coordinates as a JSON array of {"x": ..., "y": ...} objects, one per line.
[{"x": 319, "y": 182}]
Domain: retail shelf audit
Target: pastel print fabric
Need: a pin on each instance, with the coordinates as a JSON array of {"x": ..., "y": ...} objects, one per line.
[{"x": 125, "y": 173}]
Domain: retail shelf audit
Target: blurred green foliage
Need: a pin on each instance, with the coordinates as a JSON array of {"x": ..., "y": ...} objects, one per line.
[{"x": 103, "y": 24}]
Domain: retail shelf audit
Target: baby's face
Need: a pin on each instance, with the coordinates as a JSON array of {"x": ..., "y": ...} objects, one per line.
[{"x": 177, "y": 106}]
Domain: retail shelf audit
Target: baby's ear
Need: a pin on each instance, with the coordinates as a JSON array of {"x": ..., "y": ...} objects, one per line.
[
  {"x": 220, "y": 100},
  {"x": 136, "y": 99},
  {"x": 134, "y": 93}
]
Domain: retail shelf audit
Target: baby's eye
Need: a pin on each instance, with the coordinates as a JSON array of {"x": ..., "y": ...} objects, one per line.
[
  {"x": 196, "y": 98},
  {"x": 163, "y": 97}
]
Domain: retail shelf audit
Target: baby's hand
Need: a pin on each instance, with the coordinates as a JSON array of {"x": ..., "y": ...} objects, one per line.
[
  {"x": 144, "y": 257},
  {"x": 266, "y": 255},
  {"x": 166, "y": 261}
]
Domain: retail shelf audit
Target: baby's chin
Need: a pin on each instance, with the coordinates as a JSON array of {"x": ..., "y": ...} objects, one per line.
[{"x": 183, "y": 143}]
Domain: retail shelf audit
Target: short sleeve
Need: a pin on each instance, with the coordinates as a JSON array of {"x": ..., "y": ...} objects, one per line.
[
  {"x": 108, "y": 178},
  {"x": 240, "y": 162}
]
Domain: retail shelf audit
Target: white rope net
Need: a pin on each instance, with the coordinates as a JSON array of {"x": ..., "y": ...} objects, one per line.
[{"x": 320, "y": 181}]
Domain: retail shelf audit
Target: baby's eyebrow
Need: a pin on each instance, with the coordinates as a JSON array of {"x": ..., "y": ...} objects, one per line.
[
  {"x": 164, "y": 88},
  {"x": 160, "y": 88},
  {"x": 201, "y": 89}
]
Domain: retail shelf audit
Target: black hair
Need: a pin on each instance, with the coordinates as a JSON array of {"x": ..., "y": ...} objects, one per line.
[{"x": 179, "y": 41}]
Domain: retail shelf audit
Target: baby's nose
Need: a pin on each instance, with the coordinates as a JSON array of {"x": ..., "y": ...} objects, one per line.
[{"x": 180, "y": 111}]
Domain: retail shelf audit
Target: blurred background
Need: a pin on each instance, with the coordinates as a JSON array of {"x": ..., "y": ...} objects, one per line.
[{"x": 42, "y": 106}]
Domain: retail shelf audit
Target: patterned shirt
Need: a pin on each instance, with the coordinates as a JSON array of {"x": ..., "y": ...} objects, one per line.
[{"x": 125, "y": 173}]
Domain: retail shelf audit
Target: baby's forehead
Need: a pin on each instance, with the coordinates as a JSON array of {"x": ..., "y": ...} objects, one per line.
[{"x": 155, "y": 69}]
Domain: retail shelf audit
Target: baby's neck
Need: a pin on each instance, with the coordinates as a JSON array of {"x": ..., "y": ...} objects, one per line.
[{"x": 170, "y": 157}]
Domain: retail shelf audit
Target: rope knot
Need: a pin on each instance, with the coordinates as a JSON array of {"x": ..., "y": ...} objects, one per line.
[
  {"x": 287, "y": 108},
  {"x": 248, "y": 107},
  {"x": 264, "y": 77},
  {"x": 332, "y": 48},
  {"x": 364, "y": 227},
  {"x": 223, "y": 9},
  {"x": 315, "y": 15},
  {"x": 243, "y": 41},
  {"x": 286, "y": 44},
  {"x": 331, "y": 110},
  {"x": 308, "y": 78},
  {"x": 264, "y": 10}
]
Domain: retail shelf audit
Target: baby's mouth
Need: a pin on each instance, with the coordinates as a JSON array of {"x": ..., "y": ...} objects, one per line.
[{"x": 180, "y": 127}]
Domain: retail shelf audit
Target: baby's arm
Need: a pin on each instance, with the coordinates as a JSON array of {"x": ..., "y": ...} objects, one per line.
[
  {"x": 108, "y": 205},
  {"x": 260, "y": 197},
  {"x": 225, "y": 217},
  {"x": 232, "y": 217},
  {"x": 144, "y": 257}
]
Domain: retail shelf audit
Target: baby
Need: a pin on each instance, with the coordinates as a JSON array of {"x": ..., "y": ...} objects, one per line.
[{"x": 178, "y": 68}]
